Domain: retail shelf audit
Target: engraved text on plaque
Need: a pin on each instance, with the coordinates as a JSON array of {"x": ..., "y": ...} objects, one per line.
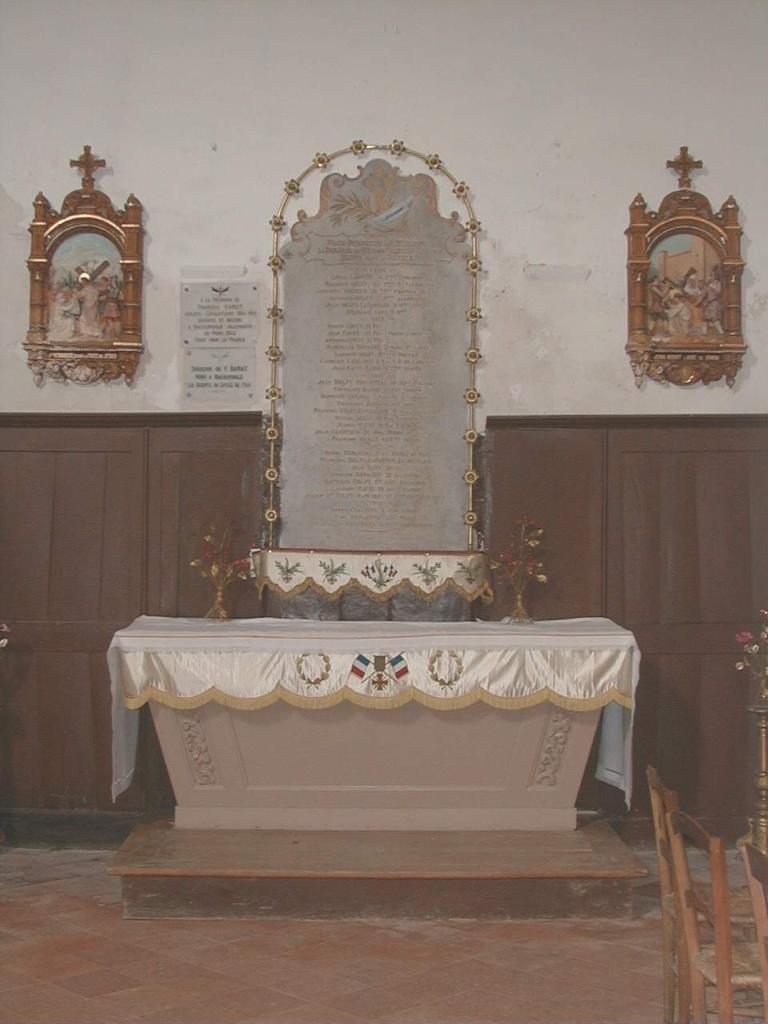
[{"x": 376, "y": 292}]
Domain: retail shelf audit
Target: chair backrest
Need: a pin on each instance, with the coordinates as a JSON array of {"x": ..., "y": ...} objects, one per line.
[
  {"x": 697, "y": 902},
  {"x": 756, "y": 864},
  {"x": 663, "y": 802}
]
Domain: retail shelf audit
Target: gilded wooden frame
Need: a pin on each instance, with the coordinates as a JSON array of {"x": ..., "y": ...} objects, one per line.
[
  {"x": 275, "y": 314},
  {"x": 56, "y": 344},
  {"x": 702, "y": 340}
]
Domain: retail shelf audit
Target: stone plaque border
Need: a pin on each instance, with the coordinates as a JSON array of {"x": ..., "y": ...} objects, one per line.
[{"x": 278, "y": 223}]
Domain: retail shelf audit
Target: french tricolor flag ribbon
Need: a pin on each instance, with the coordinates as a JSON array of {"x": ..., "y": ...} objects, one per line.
[
  {"x": 399, "y": 666},
  {"x": 360, "y": 666}
]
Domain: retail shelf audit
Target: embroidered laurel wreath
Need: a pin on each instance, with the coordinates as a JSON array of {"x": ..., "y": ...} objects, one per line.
[
  {"x": 308, "y": 663},
  {"x": 445, "y": 674}
]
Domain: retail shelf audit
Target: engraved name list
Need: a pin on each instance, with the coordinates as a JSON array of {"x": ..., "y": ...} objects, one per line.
[{"x": 373, "y": 372}]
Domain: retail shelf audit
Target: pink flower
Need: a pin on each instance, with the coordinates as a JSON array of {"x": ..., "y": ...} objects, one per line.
[
  {"x": 745, "y": 637},
  {"x": 4, "y": 627}
]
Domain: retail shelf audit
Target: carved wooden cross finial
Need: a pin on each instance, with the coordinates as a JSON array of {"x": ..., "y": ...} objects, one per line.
[
  {"x": 87, "y": 164},
  {"x": 682, "y": 165}
]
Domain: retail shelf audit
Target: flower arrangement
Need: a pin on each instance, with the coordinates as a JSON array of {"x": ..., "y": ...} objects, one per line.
[
  {"x": 754, "y": 654},
  {"x": 520, "y": 563},
  {"x": 5, "y": 631},
  {"x": 218, "y": 567}
]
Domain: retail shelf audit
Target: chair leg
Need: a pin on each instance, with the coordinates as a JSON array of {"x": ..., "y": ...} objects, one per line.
[
  {"x": 698, "y": 1000},
  {"x": 668, "y": 967},
  {"x": 683, "y": 973},
  {"x": 724, "y": 1004}
]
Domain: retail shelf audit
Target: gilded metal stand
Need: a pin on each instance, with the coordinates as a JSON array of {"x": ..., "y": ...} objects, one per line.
[{"x": 758, "y": 823}]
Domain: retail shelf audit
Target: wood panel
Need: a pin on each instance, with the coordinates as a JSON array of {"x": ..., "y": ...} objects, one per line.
[
  {"x": 76, "y": 497},
  {"x": 555, "y": 475},
  {"x": 197, "y": 475},
  {"x": 681, "y": 504},
  {"x": 26, "y": 518},
  {"x": 72, "y": 528},
  {"x": 686, "y": 569}
]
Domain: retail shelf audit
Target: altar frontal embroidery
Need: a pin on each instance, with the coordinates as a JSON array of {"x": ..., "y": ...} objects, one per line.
[
  {"x": 292, "y": 571},
  {"x": 380, "y": 670}
]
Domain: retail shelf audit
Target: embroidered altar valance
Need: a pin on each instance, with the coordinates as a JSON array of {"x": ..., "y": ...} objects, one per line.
[
  {"x": 578, "y": 664},
  {"x": 290, "y": 571}
]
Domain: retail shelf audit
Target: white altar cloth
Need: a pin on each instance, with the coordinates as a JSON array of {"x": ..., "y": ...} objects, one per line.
[{"x": 578, "y": 664}]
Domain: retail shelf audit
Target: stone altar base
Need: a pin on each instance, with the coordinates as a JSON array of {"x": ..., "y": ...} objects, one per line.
[
  {"x": 352, "y": 768},
  {"x": 173, "y": 873}
]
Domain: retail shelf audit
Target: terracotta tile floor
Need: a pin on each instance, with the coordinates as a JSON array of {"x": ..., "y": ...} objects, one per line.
[{"x": 66, "y": 955}]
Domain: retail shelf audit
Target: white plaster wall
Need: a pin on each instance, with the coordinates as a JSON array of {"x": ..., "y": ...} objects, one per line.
[{"x": 555, "y": 111}]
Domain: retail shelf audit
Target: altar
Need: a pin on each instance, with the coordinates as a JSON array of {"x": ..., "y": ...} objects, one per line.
[
  {"x": 374, "y": 700},
  {"x": 297, "y": 724}
]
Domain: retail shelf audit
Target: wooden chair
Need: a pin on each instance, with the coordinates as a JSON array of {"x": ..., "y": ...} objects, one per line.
[
  {"x": 676, "y": 983},
  {"x": 756, "y": 864},
  {"x": 726, "y": 964},
  {"x": 676, "y": 990}
]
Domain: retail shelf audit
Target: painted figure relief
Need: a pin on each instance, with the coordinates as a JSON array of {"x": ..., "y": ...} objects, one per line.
[
  {"x": 684, "y": 270},
  {"x": 85, "y": 283},
  {"x": 684, "y": 289},
  {"x": 85, "y": 291}
]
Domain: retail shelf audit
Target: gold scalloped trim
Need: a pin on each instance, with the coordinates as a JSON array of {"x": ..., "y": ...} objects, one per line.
[
  {"x": 484, "y": 591},
  {"x": 280, "y": 692}
]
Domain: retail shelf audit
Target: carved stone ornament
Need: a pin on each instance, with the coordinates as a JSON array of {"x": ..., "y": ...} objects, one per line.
[
  {"x": 196, "y": 744},
  {"x": 684, "y": 285},
  {"x": 86, "y": 270},
  {"x": 553, "y": 748}
]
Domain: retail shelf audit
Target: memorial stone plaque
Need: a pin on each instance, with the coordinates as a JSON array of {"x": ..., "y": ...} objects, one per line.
[
  {"x": 375, "y": 298},
  {"x": 219, "y": 322}
]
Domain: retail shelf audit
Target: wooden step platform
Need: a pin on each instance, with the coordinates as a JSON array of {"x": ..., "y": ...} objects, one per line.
[{"x": 168, "y": 872}]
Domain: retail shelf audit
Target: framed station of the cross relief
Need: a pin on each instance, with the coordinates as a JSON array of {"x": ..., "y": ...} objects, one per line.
[
  {"x": 684, "y": 283},
  {"x": 86, "y": 271}
]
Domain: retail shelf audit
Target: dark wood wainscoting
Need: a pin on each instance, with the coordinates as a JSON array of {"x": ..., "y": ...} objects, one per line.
[
  {"x": 654, "y": 522},
  {"x": 99, "y": 519},
  {"x": 659, "y": 524}
]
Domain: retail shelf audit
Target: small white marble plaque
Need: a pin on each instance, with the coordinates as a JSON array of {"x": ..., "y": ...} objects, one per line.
[
  {"x": 218, "y": 313},
  {"x": 219, "y": 327},
  {"x": 219, "y": 373}
]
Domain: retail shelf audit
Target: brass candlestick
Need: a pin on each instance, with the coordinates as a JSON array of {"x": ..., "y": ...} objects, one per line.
[
  {"x": 217, "y": 566},
  {"x": 754, "y": 660},
  {"x": 520, "y": 563}
]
